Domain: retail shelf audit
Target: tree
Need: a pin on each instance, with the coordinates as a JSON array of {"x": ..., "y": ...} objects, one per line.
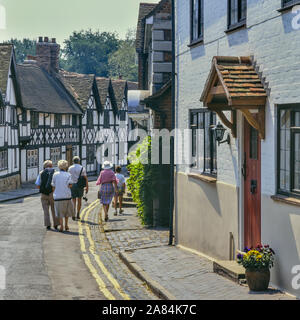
[
  {"x": 23, "y": 48},
  {"x": 87, "y": 52},
  {"x": 122, "y": 63}
]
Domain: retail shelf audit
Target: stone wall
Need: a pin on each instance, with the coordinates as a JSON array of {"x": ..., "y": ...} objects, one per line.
[{"x": 10, "y": 183}]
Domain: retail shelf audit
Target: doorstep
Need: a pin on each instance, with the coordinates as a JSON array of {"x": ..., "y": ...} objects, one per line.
[{"x": 229, "y": 269}]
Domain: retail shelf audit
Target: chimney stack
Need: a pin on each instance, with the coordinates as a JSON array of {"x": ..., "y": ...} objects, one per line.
[{"x": 47, "y": 54}]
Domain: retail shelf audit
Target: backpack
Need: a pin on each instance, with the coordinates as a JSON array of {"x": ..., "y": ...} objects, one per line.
[
  {"x": 46, "y": 180},
  {"x": 81, "y": 183}
]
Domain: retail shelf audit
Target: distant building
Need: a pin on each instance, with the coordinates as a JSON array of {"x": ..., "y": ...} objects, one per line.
[{"x": 47, "y": 113}]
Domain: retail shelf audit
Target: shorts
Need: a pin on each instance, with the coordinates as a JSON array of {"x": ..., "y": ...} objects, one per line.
[
  {"x": 77, "y": 192},
  {"x": 120, "y": 191}
]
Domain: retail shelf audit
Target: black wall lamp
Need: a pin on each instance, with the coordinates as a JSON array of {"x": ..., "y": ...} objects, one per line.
[{"x": 219, "y": 132}]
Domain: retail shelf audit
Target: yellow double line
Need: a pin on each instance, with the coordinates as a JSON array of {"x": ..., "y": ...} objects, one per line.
[{"x": 102, "y": 286}]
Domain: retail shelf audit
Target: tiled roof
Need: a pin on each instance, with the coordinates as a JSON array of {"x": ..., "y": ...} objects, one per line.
[
  {"x": 79, "y": 85},
  {"x": 119, "y": 87},
  {"x": 42, "y": 92},
  {"x": 240, "y": 77},
  {"x": 145, "y": 9},
  {"x": 103, "y": 86},
  {"x": 5, "y": 58}
]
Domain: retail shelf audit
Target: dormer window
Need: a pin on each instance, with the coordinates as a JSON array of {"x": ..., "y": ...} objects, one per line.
[{"x": 237, "y": 13}]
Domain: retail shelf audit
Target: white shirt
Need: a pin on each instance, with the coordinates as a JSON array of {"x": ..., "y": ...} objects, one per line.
[
  {"x": 121, "y": 179},
  {"x": 74, "y": 170},
  {"x": 60, "y": 182}
]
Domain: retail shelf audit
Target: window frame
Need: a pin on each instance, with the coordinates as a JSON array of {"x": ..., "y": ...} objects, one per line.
[
  {"x": 212, "y": 170},
  {"x": 2, "y": 115},
  {"x": 89, "y": 118},
  {"x": 88, "y": 153},
  {"x": 291, "y": 4},
  {"x": 293, "y": 131},
  {"x": 241, "y": 23},
  {"x": 32, "y": 164},
  {"x": 106, "y": 119},
  {"x": 4, "y": 167},
  {"x": 57, "y": 120},
  {"x": 200, "y": 25},
  {"x": 34, "y": 120},
  {"x": 53, "y": 152}
]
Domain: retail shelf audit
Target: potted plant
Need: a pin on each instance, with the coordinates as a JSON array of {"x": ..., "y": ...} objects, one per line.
[{"x": 257, "y": 262}]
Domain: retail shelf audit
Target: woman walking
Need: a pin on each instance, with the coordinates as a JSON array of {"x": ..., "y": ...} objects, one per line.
[
  {"x": 121, "y": 183},
  {"x": 108, "y": 182},
  {"x": 62, "y": 184}
]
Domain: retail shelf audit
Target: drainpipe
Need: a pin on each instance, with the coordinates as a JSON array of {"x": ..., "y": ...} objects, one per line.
[{"x": 172, "y": 127}]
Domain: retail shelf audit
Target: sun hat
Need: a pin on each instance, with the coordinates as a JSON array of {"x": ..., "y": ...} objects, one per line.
[{"x": 106, "y": 165}]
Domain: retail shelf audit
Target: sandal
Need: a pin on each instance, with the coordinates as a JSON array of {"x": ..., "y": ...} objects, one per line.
[
  {"x": 106, "y": 218},
  {"x": 67, "y": 228}
]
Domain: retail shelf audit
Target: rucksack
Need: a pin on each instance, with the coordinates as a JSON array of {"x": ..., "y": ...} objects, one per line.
[
  {"x": 81, "y": 183},
  {"x": 46, "y": 180}
]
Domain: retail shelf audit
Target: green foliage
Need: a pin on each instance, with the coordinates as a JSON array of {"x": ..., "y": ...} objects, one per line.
[
  {"x": 143, "y": 181},
  {"x": 121, "y": 63},
  {"x": 23, "y": 48},
  {"x": 87, "y": 52}
]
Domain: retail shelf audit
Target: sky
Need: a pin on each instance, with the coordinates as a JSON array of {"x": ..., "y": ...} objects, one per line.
[{"x": 59, "y": 18}]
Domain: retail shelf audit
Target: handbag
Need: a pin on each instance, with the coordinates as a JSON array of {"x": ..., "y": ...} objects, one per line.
[{"x": 81, "y": 183}]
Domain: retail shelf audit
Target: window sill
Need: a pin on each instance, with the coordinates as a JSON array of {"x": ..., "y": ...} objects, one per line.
[
  {"x": 286, "y": 199},
  {"x": 196, "y": 43},
  {"x": 236, "y": 27},
  {"x": 202, "y": 177},
  {"x": 289, "y": 7}
]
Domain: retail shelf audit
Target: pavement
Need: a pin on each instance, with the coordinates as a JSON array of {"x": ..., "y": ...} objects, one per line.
[
  {"x": 115, "y": 260},
  {"x": 171, "y": 272}
]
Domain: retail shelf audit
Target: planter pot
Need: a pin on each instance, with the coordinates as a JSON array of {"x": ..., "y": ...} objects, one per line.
[{"x": 258, "y": 280}]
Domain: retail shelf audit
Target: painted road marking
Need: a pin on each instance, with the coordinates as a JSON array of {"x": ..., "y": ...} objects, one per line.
[
  {"x": 88, "y": 263},
  {"x": 109, "y": 276}
]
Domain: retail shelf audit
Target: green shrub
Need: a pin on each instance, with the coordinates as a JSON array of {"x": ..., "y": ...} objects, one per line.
[{"x": 143, "y": 181}]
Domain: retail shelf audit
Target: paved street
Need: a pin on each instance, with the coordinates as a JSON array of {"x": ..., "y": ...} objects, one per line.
[
  {"x": 44, "y": 264},
  {"x": 119, "y": 259}
]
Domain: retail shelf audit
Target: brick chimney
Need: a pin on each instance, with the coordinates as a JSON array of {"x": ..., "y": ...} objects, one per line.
[{"x": 47, "y": 54}]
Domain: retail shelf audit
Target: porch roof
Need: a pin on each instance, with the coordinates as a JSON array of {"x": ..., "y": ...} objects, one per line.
[{"x": 234, "y": 84}]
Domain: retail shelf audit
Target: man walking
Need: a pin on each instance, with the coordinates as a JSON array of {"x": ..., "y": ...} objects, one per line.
[
  {"x": 43, "y": 182},
  {"x": 80, "y": 181}
]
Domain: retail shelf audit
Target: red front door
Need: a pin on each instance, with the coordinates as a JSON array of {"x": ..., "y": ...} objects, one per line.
[{"x": 252, "y": 186}]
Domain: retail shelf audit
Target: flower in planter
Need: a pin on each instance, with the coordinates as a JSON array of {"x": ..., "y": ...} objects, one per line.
[{"x": 259, "y": 258}]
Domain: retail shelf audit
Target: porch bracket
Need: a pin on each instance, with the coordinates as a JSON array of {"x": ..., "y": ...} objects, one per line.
[{"x": 258, "y": 124}]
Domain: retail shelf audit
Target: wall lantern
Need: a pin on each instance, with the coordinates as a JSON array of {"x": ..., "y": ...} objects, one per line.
[{"x": 219, "y": 132}]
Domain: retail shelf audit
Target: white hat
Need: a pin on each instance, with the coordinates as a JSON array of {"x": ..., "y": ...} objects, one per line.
[{"x": 106, "y": 165}]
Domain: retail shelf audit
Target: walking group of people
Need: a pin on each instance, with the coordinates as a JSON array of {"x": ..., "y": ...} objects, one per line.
[{"x": 62, "y": 191}]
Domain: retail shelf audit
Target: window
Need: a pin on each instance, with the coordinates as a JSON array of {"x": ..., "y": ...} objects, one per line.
[
  {"x": 32, "y": 158},
  {"x": 2, "y": 115},
  {"x": 204, "y": 151},
  {"x": 57, "y": 120},
  {"x": 288, "y": 3},
  {"x": 89, "y": 118},
  {"x": 15, "y": 158},
  {"x": 90, "y": 154},
  {"x": 13, "y": 116},
  {"x": 55, "y": 155},
  {"x": 74, "y": 151},
  {"x": 3, "y": 160},
  {"x": 196, "y": 20},
  {"x": 74, "y": 120},
  {"x": 106, "y": 118},
  {"x": 237, "y": 13},
  {"x": 34, "y": 120},
  {"x": 24, "y": 116},
  {"x": 67, "y": 120},
  {"x": 122, "y": 115},
  {"x": 289, "y": 150}
]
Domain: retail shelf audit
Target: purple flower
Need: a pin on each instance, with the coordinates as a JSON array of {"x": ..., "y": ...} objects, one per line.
[
  {"x": 240, "y": 256},
  {"x": 246, "y": 249}
]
